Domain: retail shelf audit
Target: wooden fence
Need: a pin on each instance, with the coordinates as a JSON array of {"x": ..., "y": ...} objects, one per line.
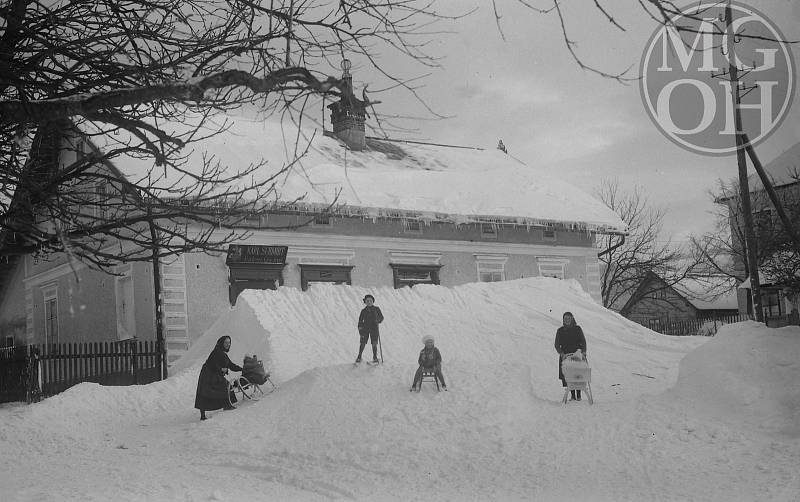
[
  {"x": 780, "y": 321},
  {"x": 32, "y": 372},
  {"x": 698, "y": 327}
]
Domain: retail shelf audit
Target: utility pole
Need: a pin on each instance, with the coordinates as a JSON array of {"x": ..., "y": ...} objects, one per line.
[{"x": 744, "y": 186}]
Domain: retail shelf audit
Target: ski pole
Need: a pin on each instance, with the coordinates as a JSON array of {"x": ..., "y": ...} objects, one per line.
[{"x": 380, "y": 347}]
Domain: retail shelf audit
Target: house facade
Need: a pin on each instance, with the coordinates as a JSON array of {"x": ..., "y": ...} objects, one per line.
[
  {"x": 380, "y": 213},
  {"x": 784, "y": 171},
  {"x": 67, "y": 302}
]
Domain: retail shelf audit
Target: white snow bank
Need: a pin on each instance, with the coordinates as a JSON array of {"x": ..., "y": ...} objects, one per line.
[
  {"x": 484, "y": 323},
  {"x": 247, "y": 335},
  {"x": 747, "y": 373},
  {"x": 722, "y": 430},
  {"x": 71, "y": 420}
]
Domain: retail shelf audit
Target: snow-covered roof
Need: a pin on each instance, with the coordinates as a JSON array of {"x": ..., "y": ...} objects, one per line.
[
  {"x": 394, "y": 178},
  {"x": 696, "y": 292}
]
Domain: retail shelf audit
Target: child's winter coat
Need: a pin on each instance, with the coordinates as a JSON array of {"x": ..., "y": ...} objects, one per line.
[
  {"x": 430, "y": 358},
  {"x": 253, "y": 370}
]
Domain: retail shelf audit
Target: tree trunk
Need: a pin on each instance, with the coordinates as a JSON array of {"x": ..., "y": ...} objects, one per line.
[{"x": 157, "y": 300}]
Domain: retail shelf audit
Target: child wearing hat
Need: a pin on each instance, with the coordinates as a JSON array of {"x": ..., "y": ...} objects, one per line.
[
  {"x": 371, "y": 316},
  {"x": 253, "y": 370},
  {"x": 429, "y": 359}
]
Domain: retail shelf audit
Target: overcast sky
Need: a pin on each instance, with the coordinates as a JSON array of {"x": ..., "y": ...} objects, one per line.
[{"x": 528, "y": 91}]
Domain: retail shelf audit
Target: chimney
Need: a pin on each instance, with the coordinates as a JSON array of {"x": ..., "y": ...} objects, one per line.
[{"x": 348, "y": 114}]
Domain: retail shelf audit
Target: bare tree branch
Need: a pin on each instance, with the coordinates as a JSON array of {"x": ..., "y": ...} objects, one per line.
[
  {"x": 86, "y": 84},
  {"x": 625, "y": 267},
  {"x": 777, "y": 254},
  {"x": 24, "y": 112},
  {"x": 662, "y": 12}
]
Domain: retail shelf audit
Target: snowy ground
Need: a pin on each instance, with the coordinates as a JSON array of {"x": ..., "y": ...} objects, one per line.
[{"x": 674, "y": 419}]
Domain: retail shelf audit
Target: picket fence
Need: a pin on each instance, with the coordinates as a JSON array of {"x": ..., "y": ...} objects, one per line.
[
  {"x": 32, "y": 372},
  {"x": 698, "y": 327}
]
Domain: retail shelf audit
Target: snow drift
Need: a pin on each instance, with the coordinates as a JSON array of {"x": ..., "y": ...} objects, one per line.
[
  {"x": 480, "y": 323},
  {"x": 748, "y": 375},
  {"x": 723, "y": 427}
]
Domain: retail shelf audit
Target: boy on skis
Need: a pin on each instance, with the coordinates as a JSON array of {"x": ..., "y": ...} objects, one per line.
[{"x": 371, "y": 316}]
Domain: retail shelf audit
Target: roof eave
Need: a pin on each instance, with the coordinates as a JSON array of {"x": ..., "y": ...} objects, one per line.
[{"x": 431, "y": 216}]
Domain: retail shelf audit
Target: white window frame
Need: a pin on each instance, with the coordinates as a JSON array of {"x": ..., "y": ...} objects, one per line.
[
  {"x": 405, "y": 275},
  {"x": 322, "y": 220},
  {"x": 412, "y": 226},
  {"x": 549, "y": 235},
  {"x": 321, "y": 255},
  {"x": 50, "y": 294},
  {"x": 491, "y": 234},
  {"x": 337, "y": 274},
  {"x": 491, "y": 264},
  {"x": 252, "y": 220},
  {"x": 401, "y": 257},
  {"x": 402, "y": 261},
  {"x": 311, "y": 258},
  {"x": 552, "y": 267}
]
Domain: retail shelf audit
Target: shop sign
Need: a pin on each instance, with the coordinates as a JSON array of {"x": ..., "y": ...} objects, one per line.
[{"x": 254, "y": 254}]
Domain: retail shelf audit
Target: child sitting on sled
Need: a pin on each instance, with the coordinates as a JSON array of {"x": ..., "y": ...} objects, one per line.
[
  {"x": 253, "y": 370},
  {"x": 429, "y": 360}
]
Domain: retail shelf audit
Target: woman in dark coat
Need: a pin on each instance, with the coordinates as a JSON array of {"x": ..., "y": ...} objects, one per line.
[
  {"x": 212, "y": 387},
  {"x": 569, "y": 338}
]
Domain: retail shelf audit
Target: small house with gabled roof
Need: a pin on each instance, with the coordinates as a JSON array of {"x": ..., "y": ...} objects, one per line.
[{"x": 656, "y": 304}]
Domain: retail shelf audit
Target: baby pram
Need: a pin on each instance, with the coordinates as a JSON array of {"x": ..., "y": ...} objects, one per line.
[
  {"x": 248, "y": 385},
  {"x": 577, "y": 375}
]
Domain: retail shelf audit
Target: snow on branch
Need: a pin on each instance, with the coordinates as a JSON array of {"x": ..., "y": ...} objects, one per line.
[{"x": 88, "y": 105}]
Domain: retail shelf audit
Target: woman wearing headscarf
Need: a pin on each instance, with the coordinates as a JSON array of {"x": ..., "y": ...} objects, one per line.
[
  {"x": 212, "y": 387},
  {"x": 569, "y": 338}
]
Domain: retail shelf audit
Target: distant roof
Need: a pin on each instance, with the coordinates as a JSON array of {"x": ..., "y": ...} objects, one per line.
[
  {"x": 706, "y": 292},
  {"x": 423, "y": 180},
  {"x": 782, "y": 169},
  {"x": 695, "y": 291}
]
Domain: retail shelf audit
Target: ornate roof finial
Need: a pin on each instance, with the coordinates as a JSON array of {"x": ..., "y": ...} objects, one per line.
[
  {"x": 345, "y": 65},
  {"x": 347, "y": 78}
]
